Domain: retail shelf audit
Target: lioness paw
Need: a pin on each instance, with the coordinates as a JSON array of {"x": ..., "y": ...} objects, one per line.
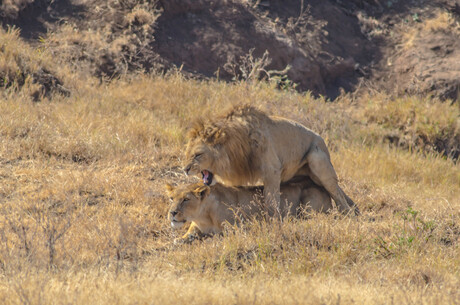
[{"x": 185, "y": 240}]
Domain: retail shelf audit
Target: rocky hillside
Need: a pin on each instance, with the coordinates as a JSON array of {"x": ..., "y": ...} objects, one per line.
[{"x": 324, "y": 46}]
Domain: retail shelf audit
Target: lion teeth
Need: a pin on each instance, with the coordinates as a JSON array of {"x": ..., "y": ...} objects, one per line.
[{"x": 205, "y": 176}]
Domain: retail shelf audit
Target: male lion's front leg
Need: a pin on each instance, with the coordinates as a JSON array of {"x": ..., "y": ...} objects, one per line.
[
  {"x": 271, "y": 177},
  {"x": 272, "y": 193}
]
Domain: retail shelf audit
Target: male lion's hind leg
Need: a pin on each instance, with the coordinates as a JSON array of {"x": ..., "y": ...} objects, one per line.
[
  {"x": 352, "y": 204},
  {"x": 323, "y": 173}
]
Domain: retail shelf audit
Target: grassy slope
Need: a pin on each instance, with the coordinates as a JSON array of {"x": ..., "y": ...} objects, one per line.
[{"x": 82, "y": 213}]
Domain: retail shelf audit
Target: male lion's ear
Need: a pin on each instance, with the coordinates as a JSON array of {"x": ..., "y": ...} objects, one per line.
[
  {"x": 202, "y": 191},
  {"x": 215, "y": 135},
  {"x": 220, "y": 137}
]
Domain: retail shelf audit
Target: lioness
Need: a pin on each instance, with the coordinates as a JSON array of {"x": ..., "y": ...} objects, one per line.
[
  {"x": 208, "y": 207},
  {"x": 246, "y": 147}
]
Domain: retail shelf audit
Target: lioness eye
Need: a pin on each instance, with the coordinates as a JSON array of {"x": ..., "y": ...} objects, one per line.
[{"x": 185, "y": 199}]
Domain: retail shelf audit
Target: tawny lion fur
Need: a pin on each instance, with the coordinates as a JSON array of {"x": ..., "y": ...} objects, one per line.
[
  {"x": 248, "y": 147},
  {"x": 209, "y": 207}
]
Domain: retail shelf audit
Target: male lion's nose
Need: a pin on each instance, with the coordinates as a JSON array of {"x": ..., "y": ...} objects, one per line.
[{"x": 173, "y": 213}]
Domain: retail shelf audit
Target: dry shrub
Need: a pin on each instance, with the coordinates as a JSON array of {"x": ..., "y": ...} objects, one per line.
[
  {"x": 442, "y": 22},
  {"x": 11, "y": 8},
  {"x": 110, "y": 42}
]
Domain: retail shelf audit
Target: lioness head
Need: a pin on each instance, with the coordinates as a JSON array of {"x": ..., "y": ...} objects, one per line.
[{"x": 186, "y": 201}]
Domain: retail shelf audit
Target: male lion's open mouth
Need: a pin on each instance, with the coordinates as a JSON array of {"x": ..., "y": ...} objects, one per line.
[{"x": 207, "y": 177}]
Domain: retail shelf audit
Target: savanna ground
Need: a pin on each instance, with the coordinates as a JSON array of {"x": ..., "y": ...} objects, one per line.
[{"x": 83, "y": 163}]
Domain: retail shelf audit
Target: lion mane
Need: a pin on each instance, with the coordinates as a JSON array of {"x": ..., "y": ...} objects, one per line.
[{"x": 237, "y": 133}]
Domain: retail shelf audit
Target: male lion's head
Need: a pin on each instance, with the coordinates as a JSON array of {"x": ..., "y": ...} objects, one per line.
[
  {"x": 203, "y": 153},
  {"x": 222, "y": 148},
  {"x": 186, "y": 202}
]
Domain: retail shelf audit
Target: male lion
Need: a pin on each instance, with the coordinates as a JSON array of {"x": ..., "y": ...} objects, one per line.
[
  {"x": 209, "y": 207},
  {"x": 246, "y": 147}
]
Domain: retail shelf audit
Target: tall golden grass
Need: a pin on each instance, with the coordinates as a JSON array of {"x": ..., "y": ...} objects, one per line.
[{"x": 83, "y": 207}]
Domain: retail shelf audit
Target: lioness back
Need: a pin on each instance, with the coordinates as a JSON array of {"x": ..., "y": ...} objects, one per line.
[{"x": 208, "y": 208}]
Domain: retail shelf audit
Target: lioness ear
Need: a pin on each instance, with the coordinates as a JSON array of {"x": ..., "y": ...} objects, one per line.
[
  {"x": 202, "y": 191},
  {"x": 169, "y": 189}
]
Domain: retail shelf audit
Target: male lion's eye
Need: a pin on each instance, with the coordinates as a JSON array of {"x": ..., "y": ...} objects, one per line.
[
  {"x": 197, "y": 156},
  {"x": 185, "y": 199}
]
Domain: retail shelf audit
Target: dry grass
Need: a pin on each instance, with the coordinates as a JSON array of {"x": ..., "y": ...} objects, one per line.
[
  {"x": 109, "y": 41},
  {"x": 412, "y": 123},
  {"x": 442, "y": 21},
  {"x": 29, "y": 72},
  {"x": 83, "y": 209},
  {"x": 18, "y": 61}
]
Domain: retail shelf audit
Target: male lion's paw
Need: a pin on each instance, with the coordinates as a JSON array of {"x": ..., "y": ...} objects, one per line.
[
  {"x": 354, "y": 212},
  {"x": 357, "y": 211}
]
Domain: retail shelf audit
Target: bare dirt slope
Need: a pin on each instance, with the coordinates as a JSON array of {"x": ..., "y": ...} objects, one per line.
[{"x": 330, "y": 46}]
